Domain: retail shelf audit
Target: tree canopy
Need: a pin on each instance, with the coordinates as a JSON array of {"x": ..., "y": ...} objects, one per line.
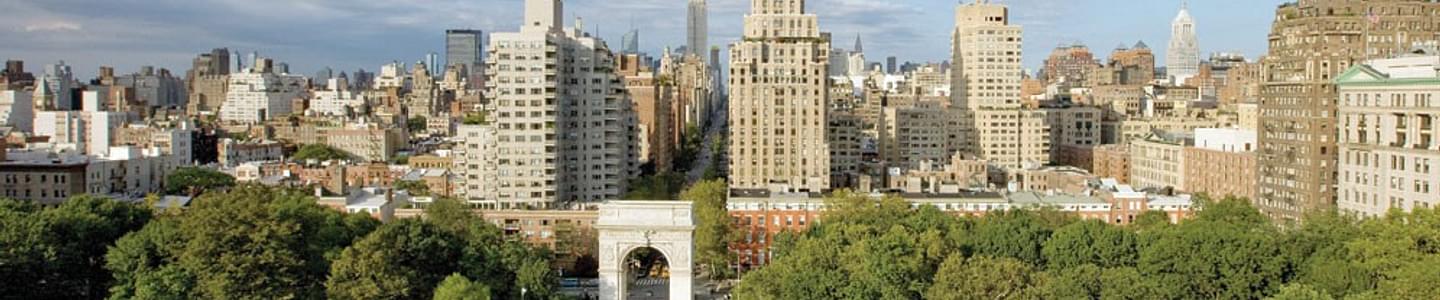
[
  {"x": 320, "y": 152},
  {"x": 884, "y": 249},
  {"x": 195, "y": 180},
  {"x": 59, "y": 252}
]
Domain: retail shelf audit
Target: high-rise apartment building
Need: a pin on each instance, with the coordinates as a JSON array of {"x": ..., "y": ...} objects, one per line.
[
  {"x": 260, "y": 93},
  {"x": 1310, "y": 43},
  {"x": 564, "y": 128},
  {"x": 466, "y": 47},
  {"x": 1388, "y": 148},
  {"x": 1182, "y": 59},
  {"x": 698, "y": 29},
  {"x": 778, "y": 94},
  {"x": 985, "y": 80}
]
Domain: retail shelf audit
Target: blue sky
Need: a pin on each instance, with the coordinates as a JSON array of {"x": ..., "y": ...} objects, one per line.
[{"x": 351, "y": 34}]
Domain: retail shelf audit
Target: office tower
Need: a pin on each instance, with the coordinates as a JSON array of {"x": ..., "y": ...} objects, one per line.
[
  {"x": 1387, "y": 121},
  {"x": 323, "y": 75},
  {"x": 432, "y": 63},
  {"x": 55, "y": 89},
  {"x": 856, "y": 61},
  {"x": 466, "y": 48},
  {"x": 565, "y": 136},
  {"x": 778, "y": 123},
  {"x": 1182, "y": 59},
  {"x": 890, "y": 67},
  {"x": 630, "y": 42},
  {"x": 1298, "y": 151},
  {"x": 1070, "y": 66},
  {"x": 985, "y": 80},
  {"x": 698, "y": 27},
  {"x": 206, "y": 82}
]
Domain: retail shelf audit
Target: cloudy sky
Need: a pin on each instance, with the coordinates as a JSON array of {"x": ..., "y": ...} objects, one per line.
[{"x": 352, "y": 34}]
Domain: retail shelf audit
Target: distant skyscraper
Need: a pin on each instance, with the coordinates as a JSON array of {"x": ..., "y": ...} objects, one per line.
[
  {"x": 467, "y": 48},
  {"x": 891, "y": 65},
  {"x": 55, "y": 89},
  {"x": 432, "y": 63},
  {"x": 1182, "y": 60},
  {"x": 778, "y": 135},
  {"x": 698, "y": 29},
  {"x": 630, "y": 42}
]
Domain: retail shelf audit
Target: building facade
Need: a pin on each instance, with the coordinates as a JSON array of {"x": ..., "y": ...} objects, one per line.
[
  {"x": 1310, "y": 43},
  {"x": 985, "y": 80},
  {"x": 778, "y": 109},
  {"x": 564, "y": 125},
  {"x": 1388, "y": 148},
  {"x": 1221, "y": 163}
]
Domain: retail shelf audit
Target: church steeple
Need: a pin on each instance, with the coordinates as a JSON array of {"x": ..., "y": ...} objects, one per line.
[{"x": 858, "y": 47}]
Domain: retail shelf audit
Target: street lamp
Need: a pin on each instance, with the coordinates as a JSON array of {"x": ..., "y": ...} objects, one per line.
[{"x": 522, "y": 293}]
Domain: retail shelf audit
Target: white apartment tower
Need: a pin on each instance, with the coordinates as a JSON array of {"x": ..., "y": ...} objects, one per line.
[
  {"x": 778, "y": 109},
  {"x": 1182, "y": 59},
  {"x": 259, "y": 93},
  {"x": 564, "y": 128},
  {"x": 698, "y": 26},
  {"x": 985, "y": 81}
]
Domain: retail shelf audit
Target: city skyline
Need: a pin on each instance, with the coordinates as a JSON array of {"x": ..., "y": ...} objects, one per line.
[{"x": 347, "y": 36}]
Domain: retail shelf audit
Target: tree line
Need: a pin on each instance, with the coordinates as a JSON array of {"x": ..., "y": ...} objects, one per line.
[
  {"x": 884, "y": 249},
  {"x": 255, "y": 242}
]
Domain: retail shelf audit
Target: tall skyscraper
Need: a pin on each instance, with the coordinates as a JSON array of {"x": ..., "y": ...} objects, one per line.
[
  {"x": 1182, "y": 59},
  {"x": 698, "y": 29},
  {"x": 778, "y": 92},
  {"x": 630, "y": 42},
  {"x": 466, "y": 48},
  {"x": 1311, "y": 43},
  {"x": 985, "y": 81},
  {"x": 565, "y": 135}
]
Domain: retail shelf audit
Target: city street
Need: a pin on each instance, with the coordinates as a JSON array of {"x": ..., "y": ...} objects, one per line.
[{"x": 714, "y": 132}]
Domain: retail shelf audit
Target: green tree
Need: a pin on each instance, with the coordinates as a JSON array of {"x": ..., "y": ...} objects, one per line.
[
  {"x": 416, "y": 124},
  {"x": 404, "y": 259},
  {"x": 457, "y": 287},
  {"x": 1217, "y": 256},
  {"x": 58, "y": 252},
  {"x": 713, "y": 230},
  {"x": 1077, "y": 282},
  {"x": 1091, "y": 242},
  {"x": 193, "y": 181},
  {"x": 249, "y": 242},
  {"x": 1302, "y": 292},
  {"x": 320, "y": 152},
  {"x": 414, "y": 187},
  {"x": 476, "y": 118},
  {"x": 665, "y": 186},
  {"x": 984, "y": 277},
  {"x": 1015, "y": 234}
]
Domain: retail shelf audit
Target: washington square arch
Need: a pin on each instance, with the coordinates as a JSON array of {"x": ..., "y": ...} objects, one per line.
[{"x": 626, "y": 226}]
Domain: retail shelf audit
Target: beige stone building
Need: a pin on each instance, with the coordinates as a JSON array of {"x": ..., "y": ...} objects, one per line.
[
  {"x": 1388, "y": 148},
  {"x": 1158, "y": 161},
  {"x": 1310, "y": 43},
  {"x": 985, "y": 79},
  {"x": 778, "y": 101}
]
